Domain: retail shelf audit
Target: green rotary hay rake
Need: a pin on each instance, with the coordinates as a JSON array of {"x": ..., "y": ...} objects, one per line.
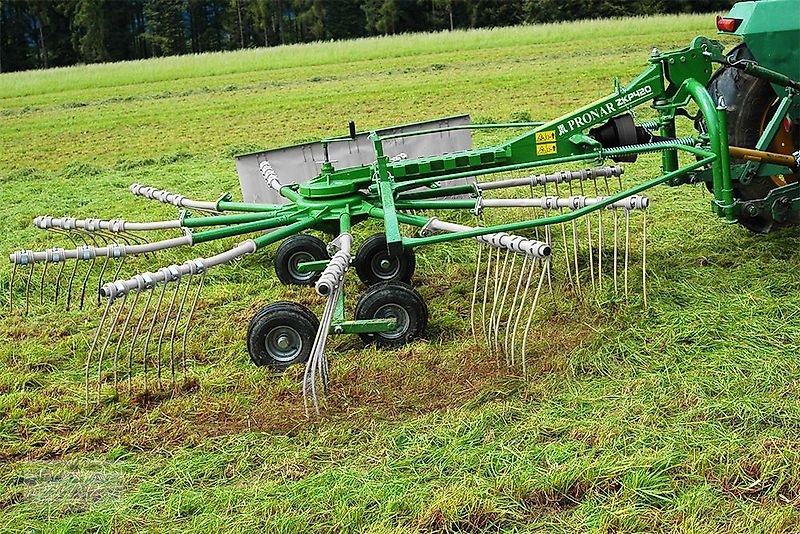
[{"x": 537, "y": 235}]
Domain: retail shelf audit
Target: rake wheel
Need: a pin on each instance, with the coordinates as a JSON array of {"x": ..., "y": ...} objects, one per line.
[
  {"x": 294, "y": 251},
  {"x": 281, "y": 334},
  {"x": 393, "y": 300},
  {"x": 374, "y": 264}
]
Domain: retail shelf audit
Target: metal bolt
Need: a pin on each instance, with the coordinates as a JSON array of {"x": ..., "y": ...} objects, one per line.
[
  {"x": 385, "y": 264},
  {"x": 283, "y": 342}
]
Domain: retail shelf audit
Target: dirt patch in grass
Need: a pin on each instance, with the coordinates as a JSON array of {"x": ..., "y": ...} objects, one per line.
[{"x": 409, "y": 381}]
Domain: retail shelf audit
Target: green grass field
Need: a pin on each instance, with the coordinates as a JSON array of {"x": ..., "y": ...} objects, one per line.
[{"x": 681, "y": 416}]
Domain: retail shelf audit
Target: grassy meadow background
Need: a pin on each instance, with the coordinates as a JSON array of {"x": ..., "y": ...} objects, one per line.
[{"x": 682, "y": 416}]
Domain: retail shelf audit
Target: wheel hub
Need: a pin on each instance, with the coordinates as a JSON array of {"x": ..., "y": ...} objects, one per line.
[
  {"x": 385, "y": 267},
  {"x": 399, "y": 314},
  {"x": 296, "y": 259},
  {"x": 283, "y": 343}
]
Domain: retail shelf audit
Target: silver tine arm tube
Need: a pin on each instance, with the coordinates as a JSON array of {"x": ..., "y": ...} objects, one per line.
[
  {"x": 45, "y": 222},
  {"x": 556, "y": 177},
  {"x": 172, "y": 273},
  {"x": 270, "y": 176},
  {"x": 633, "y": 202},
  {"x": 114, "y": 250},
  {"x": 531, "y": 247},
  {"x": 333, "y": 274},
  {"x": 167, "y": 197}
]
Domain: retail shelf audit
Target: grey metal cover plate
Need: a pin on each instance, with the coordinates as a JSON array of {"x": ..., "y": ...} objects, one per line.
[{"x": 301, "y": 163}]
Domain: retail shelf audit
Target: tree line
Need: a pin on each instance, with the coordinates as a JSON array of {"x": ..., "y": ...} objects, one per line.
[{"x": 52, "y": 33}]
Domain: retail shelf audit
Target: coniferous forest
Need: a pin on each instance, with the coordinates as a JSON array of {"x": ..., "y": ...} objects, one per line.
[{"x": 51, "y": 33}]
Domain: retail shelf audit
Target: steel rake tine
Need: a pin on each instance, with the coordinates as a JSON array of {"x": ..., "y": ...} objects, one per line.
[
  {"x": 644, "y": 258},
  {"x": 616, "y": 251},
  {"x": 599, "y": 239},
  {"x": 150, "y": 333},
  {"x": 507, "y": 284},
  {"x": 91, "y": 351},
  {"x": 514, "y": 305},
  {"x": 58, "y": 281},
  {"x": 71, "y": 282},
  {"x": 475, "y": 294},
  {"x": 105, "y": 347},
  {"x": 88, "y": 269},
  {"x": 28, "y": 288},
  {"x": 486, "y": 278},
  {"x": 11, "y": 288},
  {"x": 63, "y": 264},
  {"x": 564, "y": 241},
  {"x": 133, "y": 343},
  {"x": 118, "y": 348},
  {"x": 545, "y": 268},
  {"x": 575, "y": 247},
  {"x": 548, "y": 236},
  {"x": 41, "y": 283},
  {"x": 175, "y": 326},
  {"x": 496, "y": 293},
  {"x": 627, "y": 247},
  {"x": 164, "y": 329},
  {"x": 520, "y": 308},
  {"x": 189, "y": 320},
  {"x": 591, "y": 254}
]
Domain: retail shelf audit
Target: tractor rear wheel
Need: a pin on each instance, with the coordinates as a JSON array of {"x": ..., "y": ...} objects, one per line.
[{"x": 751, "y": 104}]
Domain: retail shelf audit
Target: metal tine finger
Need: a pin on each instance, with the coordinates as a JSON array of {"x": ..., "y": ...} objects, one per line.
[
  {"x": 105, "y": 347},
  {"x": 545, "y": 268},
  {"x": 475, "y": 293},
  {"x": 486, "y": 278},
  {"x": 520, "y": 308},
  {"x": 498, "y": 281},
  {"x": 599, "y": 239},
  {"x": 511, "y": 310},
  {"x": 564, "y": 241},
  {"x": 175, "y": 326},
  {"x": 588, "y": 220},
  {"x": 91, "y": 351},
  {"x": 548, "y": 237},
  {"x": 121, "y": 339},
  {"x": 11, "y": 288},
  {"x": 189, "y": 319},
  {"x": 89, "y": 268},
  {"x": 644, "y": 257},
  {"x": 133, "y": 343},
  {"x": 164, "y": 329},
  {"x": 28, "y": 287},
  {"x": 627, "y": 248},
  {"x": 506, "y": 284},
  {"x": 41, "y": 283},
  {"x": 150, "y": 333},
  {"x": 575, "y": 247}
]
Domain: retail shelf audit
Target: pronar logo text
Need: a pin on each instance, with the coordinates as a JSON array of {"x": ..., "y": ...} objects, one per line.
[{"x": 601, "y": 111}]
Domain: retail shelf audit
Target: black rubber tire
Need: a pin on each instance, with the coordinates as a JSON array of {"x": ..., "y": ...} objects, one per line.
[
  {"x": 393, "y": 299},
  {"x": 298, "y": 249},
  {"x": 284, "y": 318},
  {"x": 748, "y": 99},
  {"x": 373, "y": 254}
]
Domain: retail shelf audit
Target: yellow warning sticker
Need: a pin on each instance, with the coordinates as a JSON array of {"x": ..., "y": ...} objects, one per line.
[
  {"x": 545, "y": 149},
  {"x": 546, "y": 137}
]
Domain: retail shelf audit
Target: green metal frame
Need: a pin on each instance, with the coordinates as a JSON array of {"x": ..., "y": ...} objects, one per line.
[{"x": 338, "y": 199}]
